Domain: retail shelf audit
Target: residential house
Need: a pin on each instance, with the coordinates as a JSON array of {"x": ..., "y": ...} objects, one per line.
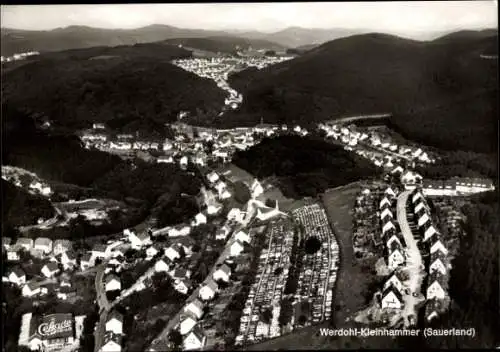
[
  {"x": 98, "y": 252},
  {"x": 429, "y": 232},
  {"x": 31, "y": 289},
  {"x": 166, "y": 159},
  {"x": 111, "y": 343},
  {"x": 195, "y": 307},
  {"x": 60, "y": 246},
  {"x": 435, "y": 288},
  {"x": 222, "y": 233},
  {"x": 395, "y": 257},
  {"x": 50, "y": 269},
  {"x": 187, "y": 322},
  {"x": 183, "y": 285},
  {"x": 138, "y": 240},
  {"x": 385, "y": 201},
  {"x": 236, "y": 248},
  {"x": 395, "y": 282},
  {"x": 26, "y": 243},
  {"x": 388, "y": 226},
  {"x": 410, "y": 178},
  {"x": 424, "y": 219},
  {"x": 391, "y": 298},
  {"x": 153, "y": 250},
  {"x": 208, "y": 290},
  {"x": 438, "y": 247},
  {"x": 85, "y": 261},
  {"x": 417, "y": 196},
  {"x": 386, "y": 214},
  {"x": 242, "y": 237},
  {"x": 17, "y": 276},
  {"x": 162, "y": 265},
  {"x": 114, "y": 323},
  {"x": 112, "y": 283},
  {"x": 256, "y": 189},
  {"x": 183, "y": 161},
  {"x": 199, "y": 219},
  {"x": 13, "y": 253},
  {"x": 212, "y": 177},
  {"x": 236, "y": 214},
  {"x": 438, "y": 262},
  {"x": 43, "y": 244},
  {"x": 173, "y": 252},
  {"x": 68, "y": 260},
  {"x": 223, "y": 273},
  {"x": 393, "y": 239},
  {"x": 214, "y": 209},
  {"x": 6, "y": 242},
  {"x": 195, "y": 340},
  {"x": 181, "y": 273},
  {"x": 390, "y": 192},
  {"x": 420, "y": 206}
]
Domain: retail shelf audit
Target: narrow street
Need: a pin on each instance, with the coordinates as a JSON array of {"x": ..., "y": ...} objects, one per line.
[{"x": 414, "y": 262}]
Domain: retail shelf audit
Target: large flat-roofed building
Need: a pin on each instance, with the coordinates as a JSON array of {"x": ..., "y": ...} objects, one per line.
[{"x": 53, "y": 332}]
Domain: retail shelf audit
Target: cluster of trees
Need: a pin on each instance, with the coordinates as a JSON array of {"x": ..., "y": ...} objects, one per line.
[
  {"x": 305, "y": 166},
  {"x": 133, "y": 89},
  {"x": 22, "y": 208},
  {"x": 462, "y": 164}
]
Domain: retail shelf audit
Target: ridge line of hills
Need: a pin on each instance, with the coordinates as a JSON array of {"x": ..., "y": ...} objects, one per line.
[{"x": 74, "y": 37}]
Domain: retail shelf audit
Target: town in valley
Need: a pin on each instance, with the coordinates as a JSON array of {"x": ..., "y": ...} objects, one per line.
[{"x": 137, "y": 220}]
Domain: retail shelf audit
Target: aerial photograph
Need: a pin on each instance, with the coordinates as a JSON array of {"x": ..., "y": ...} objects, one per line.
[{"x": 250, "y": 176}]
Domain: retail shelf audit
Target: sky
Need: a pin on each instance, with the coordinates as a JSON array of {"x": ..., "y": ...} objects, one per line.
[{"x": 390, "y": 17}]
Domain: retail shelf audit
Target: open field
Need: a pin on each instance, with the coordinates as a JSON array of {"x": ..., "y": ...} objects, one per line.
[{"x": 348, "y": 295}]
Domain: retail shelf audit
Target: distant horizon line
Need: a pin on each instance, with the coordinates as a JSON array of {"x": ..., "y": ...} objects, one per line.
[{"x": 242, "y": 30}]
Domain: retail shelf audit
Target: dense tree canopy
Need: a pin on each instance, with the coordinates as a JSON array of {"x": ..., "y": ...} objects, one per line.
[{"x": 305, "y": 166}]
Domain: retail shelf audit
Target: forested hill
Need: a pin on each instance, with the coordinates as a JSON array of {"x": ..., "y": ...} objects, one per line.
[
  {"x": 304, "y": 166},
  {"x": 436, "y": 90},
  {"x": 225, "y": 44},
  {"x": 129, "y": 88},
  {"x": 21, "y": 208}
]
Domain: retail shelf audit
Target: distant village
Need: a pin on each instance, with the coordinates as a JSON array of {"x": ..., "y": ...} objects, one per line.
[{"x": 17, "y": 57}]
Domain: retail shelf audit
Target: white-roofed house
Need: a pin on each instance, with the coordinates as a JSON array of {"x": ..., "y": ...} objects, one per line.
[
  {"x": 17, "y": 276},
  {"x": 212, "y": 177},
  {"x": 26, "y": 243},
  {"x": 236, "y": 248},
  {"x": 112, "y": 283},
  {"x": 114, "y": 323},
  {"x": 242, "y": 237},
  {"x": 391, "y": 299},
  {"x": 387, "y": 227},
  {"x": 182, "y": 285},
  {"x": 223, "y": 273},
  {"x": 173, "y": 252},
  {"x": 43, "y": 244},
  {"x": 435, "y": 290},
  {"x": 208, "y": 290},
  {"x": 195, "y": 307},
  {"x": 429, "y": 232},
  {"x": 139, "y": 240},
  {"x": 235, "y": 214},
  {"x": 162, "y": 265},
  {"x": 396, "y": 257},
  {"x": 199, "y": 219},
  {"x": 60, "y": 246},
  {"x": 384, "y": 201},
  {"x": 187, "y": 322},
  {"x": 68, "y": 259},
  {"x": 50, "y": 269},
  {"x": 424, "y": 219},
  {"x": 194, "y": 340},
  {"x": 394, "y": 281},
  {"x": 386, "y": 213},
  {"x": 223, "y": 232},
  {"x": 438, "y": 246}
]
